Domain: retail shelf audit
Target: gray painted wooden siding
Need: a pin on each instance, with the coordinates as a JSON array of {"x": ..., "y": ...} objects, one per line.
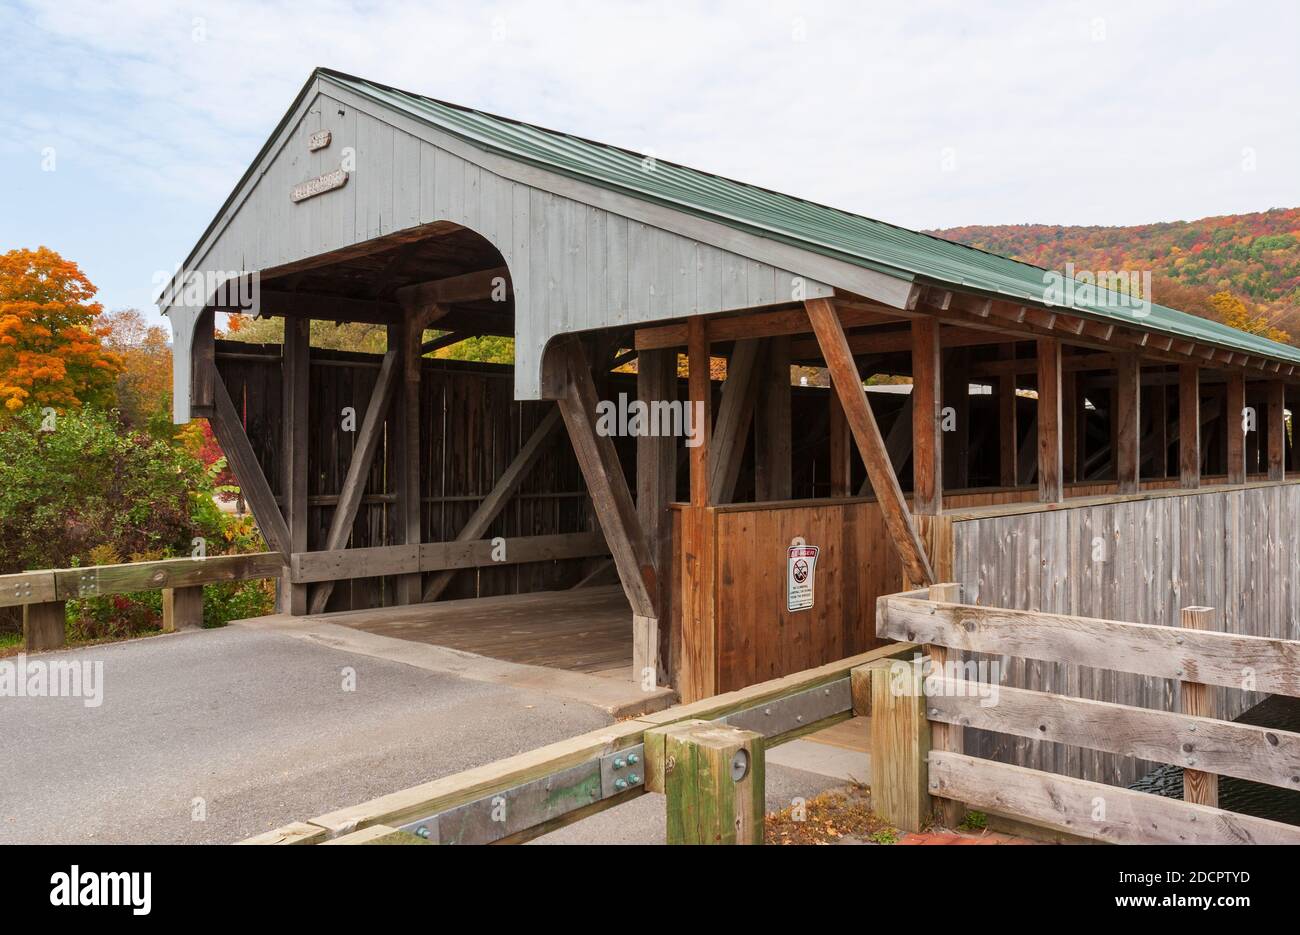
[
  {"x": 573, "y": 266},
  {"x": 1236, "y": 551}
]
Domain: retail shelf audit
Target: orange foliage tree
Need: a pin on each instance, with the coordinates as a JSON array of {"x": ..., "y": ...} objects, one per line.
[{"x": 51, "y": 348}]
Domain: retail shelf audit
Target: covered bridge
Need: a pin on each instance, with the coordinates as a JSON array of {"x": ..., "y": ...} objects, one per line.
[{"x": 1063, "y": 446}]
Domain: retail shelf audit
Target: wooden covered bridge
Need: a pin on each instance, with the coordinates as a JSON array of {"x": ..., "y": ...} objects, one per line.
[{"x": 1083, "y": 453}]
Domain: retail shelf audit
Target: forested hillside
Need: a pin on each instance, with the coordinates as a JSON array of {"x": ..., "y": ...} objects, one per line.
[{"x": 1253, "y": 257}]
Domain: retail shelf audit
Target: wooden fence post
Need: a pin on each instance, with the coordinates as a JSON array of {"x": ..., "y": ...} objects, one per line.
[
  {"x": 43, "y": 626},
  {"x": 713, "y": 780},
  {"x": 945, "y": 737},
  {"x": 900, "y": 746},
  {"x": 182, "y": 609},
  {"x": 1197, "y": 700}
]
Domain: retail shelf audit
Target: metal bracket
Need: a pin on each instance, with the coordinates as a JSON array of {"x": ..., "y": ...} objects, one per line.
[
  {"x": 799, "y": 710},
  {"x": 529, "y": 804},
  {"x": 622, "y": 771}
]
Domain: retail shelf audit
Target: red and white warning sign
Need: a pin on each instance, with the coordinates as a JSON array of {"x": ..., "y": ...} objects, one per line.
[{"x": 801, "y": 571}]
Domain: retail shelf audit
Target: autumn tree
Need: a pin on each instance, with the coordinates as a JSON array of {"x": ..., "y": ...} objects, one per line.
[
  {"x": 144, "y": 387},
  {"x": 51, "y": 335},
  {"x": 1235, "y": 313}
]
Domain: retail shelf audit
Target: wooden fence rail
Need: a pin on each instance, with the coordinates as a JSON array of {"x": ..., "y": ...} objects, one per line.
[
  {"x": 914, "y": 705},
  {"x": 42, "y": 593},
  {"x": 707, "y": 758}
]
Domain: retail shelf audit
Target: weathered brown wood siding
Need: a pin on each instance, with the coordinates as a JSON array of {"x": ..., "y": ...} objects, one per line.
[
  {"x": 1134, "y": 560},
  {"x": 472, "y": 428}
]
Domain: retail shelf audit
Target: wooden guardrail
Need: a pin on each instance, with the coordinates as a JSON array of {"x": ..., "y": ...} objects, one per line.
[
  {"x": 707, "y": 758},
  {"x": 917, "y": 719},
  {"x": 42, "y": 594}
]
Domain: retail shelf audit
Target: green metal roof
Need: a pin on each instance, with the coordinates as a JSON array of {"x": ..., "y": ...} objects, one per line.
[{"x": 850, "y": 237}]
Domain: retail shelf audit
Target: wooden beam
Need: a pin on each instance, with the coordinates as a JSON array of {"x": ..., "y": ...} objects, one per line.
[
  {"x": 954, "y": 451},
  {"x": 701, "y": 406},
  {"x": 900, "y": 746},
  {"x": 1234, "y": 414},
  {"x": 772, "y": 451},
  {"x": 735, "y": 413},
  {"x": 656, "y": 488},
  {"x": 273, "y": 302},
  {"x": 354, "y": 482},
  {"x": 296, "y": 386},
  {"x": 1008, "y": 430},
  {"x": 443, "y": 340},
  {"x": 1189, "y": 426},
  {"x": 229, "y": 429},
  {"x": 1141, "y": 648},
  {"x": 841, "y": 446},
  {"x": 610, "y": 496},
  {"x": 1068, "y": 805},
  {"x": 453, "y": 556},
  {"x": 1276, "y": 434},
  {"x": 715, "y": 789},
  {"x": 1197, "y": 700},
  {"x": 44, "y": 626},
  {"x": 927, "y": 435},
  {"x": 469, "y": 287},
  {"x": 1051, "y": 485},
  {"x": 507, "y": 485},
  {"x": 720, "y": 329},
  {"x": 871, "y": 447},
  {"x": 1128, "y": 423}
]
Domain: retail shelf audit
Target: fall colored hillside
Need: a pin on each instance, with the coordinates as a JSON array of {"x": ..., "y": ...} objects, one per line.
[{"x": 1254, "y": 257}]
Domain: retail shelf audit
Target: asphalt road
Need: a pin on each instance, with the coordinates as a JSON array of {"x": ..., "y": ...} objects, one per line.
[{"x": 255, "y": 724}]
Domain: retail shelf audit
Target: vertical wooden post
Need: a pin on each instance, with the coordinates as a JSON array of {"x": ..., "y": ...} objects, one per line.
[
  {"x": 945, "y": 737},
  {"x": 656, "y": 488},
  {"x": 1160, "y": 396},
  {"x": 1069, "y": 425},
  {"x": 927, "y": 436},
  {"x": 1234, "y": 425},
  {"x": 43, "y": 626},
  {"x": 406, "y": 434},
  {"x": 1008, "y": 430},
  {"x": 701, "y": 393},
  {"x": 840, "y": 446},
  {"x": 1197, "y": 700},
  {"x": 954, "y": 390},
  {"x": 1051, "y": 487},
  {"x": 900, "y": 746},
  {"x": 1276, "y": 436},
  {"x": 182, "y": 609},
  {"x": 296, "y": 389},
  {"x": 772, "y": 455},
  {"x": 1127, "y": 418},
  {"x": 1189, "y": 426},
  {"x": 714, "y": 785}
]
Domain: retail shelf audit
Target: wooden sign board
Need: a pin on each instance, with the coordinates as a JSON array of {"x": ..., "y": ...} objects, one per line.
[
  {"x": 319, "y": 185},
  {"x": 319, "y": 140}
]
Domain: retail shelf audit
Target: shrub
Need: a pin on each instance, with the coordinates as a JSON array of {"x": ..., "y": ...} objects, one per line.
[{"x": 89, "y": 491}]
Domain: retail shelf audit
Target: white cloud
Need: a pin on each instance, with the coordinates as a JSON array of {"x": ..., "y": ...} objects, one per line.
[{"x": 847, "y": 103}]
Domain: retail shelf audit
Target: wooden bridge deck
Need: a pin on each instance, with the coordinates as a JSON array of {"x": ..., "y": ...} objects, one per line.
[{"x": 585, "y": 630}]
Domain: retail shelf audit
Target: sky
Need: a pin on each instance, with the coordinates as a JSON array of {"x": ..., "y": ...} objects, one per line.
[{"x": 124, "y": 125}]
